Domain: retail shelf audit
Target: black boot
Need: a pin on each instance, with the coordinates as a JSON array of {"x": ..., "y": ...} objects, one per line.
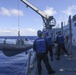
[
  {"x": 51, "y": 59},
  {"x": 52, "y": 72},
  {"x": 58, "y": 58}
]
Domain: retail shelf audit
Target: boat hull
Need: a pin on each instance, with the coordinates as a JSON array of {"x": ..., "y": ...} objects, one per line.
[{"x": 12, "y": 49}]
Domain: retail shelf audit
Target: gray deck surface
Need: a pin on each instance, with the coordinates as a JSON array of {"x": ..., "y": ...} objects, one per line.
[{"x": 69, "y": 65}]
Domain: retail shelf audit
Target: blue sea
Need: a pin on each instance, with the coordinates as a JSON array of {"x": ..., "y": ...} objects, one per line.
[{"x": 14, "y": 65}]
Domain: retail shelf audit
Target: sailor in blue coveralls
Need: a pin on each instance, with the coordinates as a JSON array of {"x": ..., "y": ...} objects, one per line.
[
  {"x": 60, "y": 41},
  {"x": 49, "y": 43},
  {"x": 40, "y": 46}
]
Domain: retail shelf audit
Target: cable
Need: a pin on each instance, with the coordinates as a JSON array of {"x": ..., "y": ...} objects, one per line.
[
  {"x": 18, "y": 20},
  {"x": 21, "y": 69}
]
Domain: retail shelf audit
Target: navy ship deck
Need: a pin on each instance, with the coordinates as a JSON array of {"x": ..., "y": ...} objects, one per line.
[{"x": 64, "y": 66}]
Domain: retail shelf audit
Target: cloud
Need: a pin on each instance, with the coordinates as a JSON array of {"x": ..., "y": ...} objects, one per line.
[
  {"x": 50, "y": 11},
  {"x": 63, "y": 15},
  {"x": 29, "y": 32},
  {"x": 10, "y": 12},
  {"x": 16, "y": 12},
  {"x": 70, "y": 10},
  {"x": 4, "y": 11},
  {"x": 14, "y": 32},
  {"x": 5, "y": 32}
]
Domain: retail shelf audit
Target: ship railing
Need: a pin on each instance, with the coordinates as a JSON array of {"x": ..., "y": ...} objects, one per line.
[{"x": 30, "y": 62}]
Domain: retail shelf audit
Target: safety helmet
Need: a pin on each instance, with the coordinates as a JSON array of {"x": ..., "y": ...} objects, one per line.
[
  {"x": 59, "y": 32},
  {"x": 45, "y": 33},
  {"x": 39, "y": 33}
]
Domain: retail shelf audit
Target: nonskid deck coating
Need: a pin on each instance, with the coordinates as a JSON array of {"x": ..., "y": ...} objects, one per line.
[{"x": 64, "y": 66}]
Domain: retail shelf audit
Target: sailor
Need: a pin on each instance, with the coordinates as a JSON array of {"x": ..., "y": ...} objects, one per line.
[
  {"x": 60, "y": 41},
  {"x": 49, "y": 43},
  {"x": 40, "y": 47},
  {"x": 67, "y": 41}
]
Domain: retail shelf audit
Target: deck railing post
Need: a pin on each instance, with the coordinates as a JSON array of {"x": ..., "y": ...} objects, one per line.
[
  {"x": 70, "y": 32},
  {"x": 28, "y": 64},
  {"x": 33, "y": 61}
]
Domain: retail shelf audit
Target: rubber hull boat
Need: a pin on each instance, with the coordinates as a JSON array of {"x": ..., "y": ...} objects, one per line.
[{"x": 11, "y": 49}]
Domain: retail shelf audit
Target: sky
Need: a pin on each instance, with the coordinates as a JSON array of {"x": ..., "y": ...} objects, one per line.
[{"x": 15, "y": 15}]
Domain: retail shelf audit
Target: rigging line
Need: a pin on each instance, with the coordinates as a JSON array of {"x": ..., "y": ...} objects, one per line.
[{"x": 18, "y": 20}]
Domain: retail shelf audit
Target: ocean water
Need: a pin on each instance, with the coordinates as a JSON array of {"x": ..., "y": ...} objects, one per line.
[
  {"x": 14, "y": 65},
  {"x": 15, "y": 37}
]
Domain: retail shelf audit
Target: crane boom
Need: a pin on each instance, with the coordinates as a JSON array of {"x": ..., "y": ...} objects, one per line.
[
  {"x": 49, "y": 21},
  {"x": 35, "y": 9}
]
